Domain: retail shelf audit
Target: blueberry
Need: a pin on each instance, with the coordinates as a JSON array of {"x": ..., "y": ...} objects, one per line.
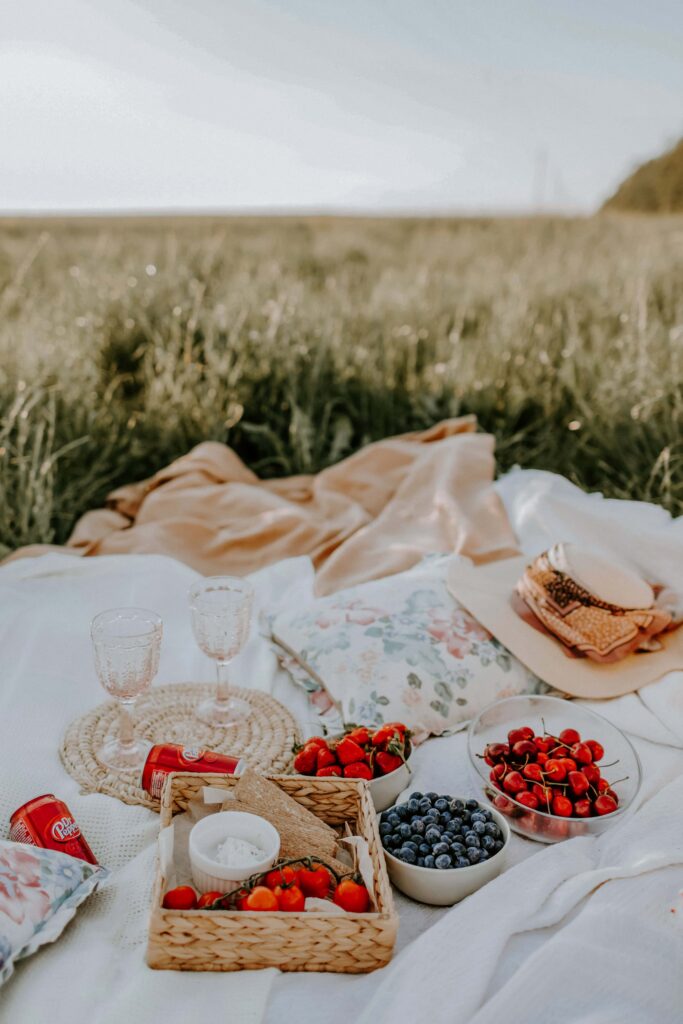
[
  {"x": 394, "y": 819},
  {"x": 391, "y": 841},
  {"x": 452, "y": 828},
  {"x": 439, "y": 848},
  {"x": 487, "y": 814},
  {"x": 472, "y": 805},
  {"x": 492, "y": 829},
  {"x": 415, "y": 796},
  {"x": 410, "y": 845},
  {"x": 424, "y": 849},
  {"x": 418, "y": 825},
  {"x": 431, "y": 797},
  {"x": 420, "y": 862},
  {"x": 413, "y": 805},
  {"x": 407, "y": 855},
  {"x": 488, "y": 843},
  {"x": 433, "y": 835},
  {"x": 458, "y": 822},
  {"x": 445, "y": 817},
  {"x": 457, "y": 850},
  {"x": 404, "y": 830},
  {"x": 472, "y": 839},
  {"x": 441, "y": 804},
  {"x": 466, "y": 817},
  {"x": 415, "y": 838},
  {"x": 479, "y": 827},
  {"x": 402, "y": 811},
  {"x": 429, "y": 861},
  {"x": 474, "y": 856},
  {"x": 385, "y": 828},
  {"x": 499, "y": 845},
  {"x": 443, "y": 861},
  {"x": 462, "y": 862},
  {"x": 456, "y": 806},
  {"x": 431, "y": 816},
  {"x": 483, "y": 855},
  {"x": 424, "y": 805},
  {"x": 477, "y": 816}
]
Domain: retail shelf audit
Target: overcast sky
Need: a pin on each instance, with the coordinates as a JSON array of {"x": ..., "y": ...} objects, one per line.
[{"x": 441, "y": 105}]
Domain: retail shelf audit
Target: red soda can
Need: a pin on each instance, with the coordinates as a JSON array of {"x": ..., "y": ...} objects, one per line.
[
  {"x": 47, "y": 822},
  {"x": 174, "y": 757}
]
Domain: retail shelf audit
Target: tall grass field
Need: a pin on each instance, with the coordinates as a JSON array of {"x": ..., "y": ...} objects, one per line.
[{"x": 123, "y": 342}]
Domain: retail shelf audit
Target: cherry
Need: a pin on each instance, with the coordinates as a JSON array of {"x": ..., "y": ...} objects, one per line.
[
  {"x": 513, "y": 782},
  {"x": 541, "y": 758},
  {"x": 523, "y": 747},
  {"x": 596, "y": 749},
  {"x": 503, "y": 804},
  {"x": 569, "y": 763},
  {"x": 544, "y": 794},
  {"x": 528, "y": 800},
  {"x": 592, "y": 773},
  {"x": 610, "y": 792},
  {"x": 603, "y": 785},
  {"x": 604, "y": 804},
  {"x": 582, "y": 809},
  {"x": 515, "y": 735},
  {"x": 563, "y": 806},
  {"x": 555, "y": 770},
  {"x": 499, "y": 770},
  {"x": 496, "y": 751},
  {"x": 578, "y": 782},
  {"x": 528, "y": 732},
  {"x": 581, "y": 752},
  {"x": 532, "y": 771},
  {"x": 543, "y": 744},
  {"x": 570, "y": 736}
]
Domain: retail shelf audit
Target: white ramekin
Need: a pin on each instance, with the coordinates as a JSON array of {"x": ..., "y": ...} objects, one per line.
[{"x": 207, "y": 874}]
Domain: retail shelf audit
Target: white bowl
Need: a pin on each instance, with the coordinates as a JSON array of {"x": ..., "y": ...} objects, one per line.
[
  {"x": 442, "y": 888},
  {"x": 207, "y": 874},
  {"x": 385, "y": 788}
]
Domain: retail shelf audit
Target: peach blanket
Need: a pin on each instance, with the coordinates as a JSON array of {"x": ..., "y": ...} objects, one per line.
[{"x": 376, "y": 513}]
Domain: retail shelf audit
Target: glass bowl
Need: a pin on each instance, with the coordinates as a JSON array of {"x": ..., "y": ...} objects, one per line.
[{"x": 492, "y": 726}]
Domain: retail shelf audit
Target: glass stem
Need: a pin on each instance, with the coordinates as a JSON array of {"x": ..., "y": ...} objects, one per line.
[
  {"x": 223, "y": 694},
  {"x": 126, "y": 731}
]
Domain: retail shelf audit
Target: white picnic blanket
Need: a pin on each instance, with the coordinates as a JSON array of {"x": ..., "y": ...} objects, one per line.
[{"x": 587, "y": 932}]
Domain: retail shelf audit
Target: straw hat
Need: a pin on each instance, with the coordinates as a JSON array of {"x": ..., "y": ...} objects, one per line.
[{"x": 487, "y": 592}]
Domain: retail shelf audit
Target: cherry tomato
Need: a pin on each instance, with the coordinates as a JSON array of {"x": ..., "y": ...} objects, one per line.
[
  {"x": 290, "y": 898},
  {"x": 280, "y": 876},
  {"x": 352, "y": 896},
  {"x": 183, "y": 897},
  {"x": 314, "y": 881},
  {"x": 207, "y": 898},
  {"x": 261, "y": 898}
]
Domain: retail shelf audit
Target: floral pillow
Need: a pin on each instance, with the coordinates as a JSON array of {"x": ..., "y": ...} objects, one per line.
[
  {"x": 400, "y": 649},
  {"x": 40, "y": 891}
]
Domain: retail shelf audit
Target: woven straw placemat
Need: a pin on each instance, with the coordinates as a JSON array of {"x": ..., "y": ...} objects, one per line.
[{"x": 166, "y": 715}]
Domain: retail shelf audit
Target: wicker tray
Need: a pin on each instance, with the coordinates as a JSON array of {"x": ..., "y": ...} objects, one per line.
[{"x": 221, "y": 940}]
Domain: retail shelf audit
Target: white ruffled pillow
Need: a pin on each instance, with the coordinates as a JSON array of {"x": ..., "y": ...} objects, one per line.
[
  {"x": 40, "y": 891},
  {"x": 401, "y": 649}
]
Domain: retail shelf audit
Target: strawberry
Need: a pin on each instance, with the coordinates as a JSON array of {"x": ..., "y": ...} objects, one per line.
[
  {"x": 358, "y": 770},
  {"x": 348, "y": 751},
  {"x": 325, "y": 758},
  {"x": 386, "y": 733},
  {"x": 387, "y": 763},
  {"x": 361, "y": 736},
  {"x": 305, "y": 762},
  {"x": 331, "y": 769}
]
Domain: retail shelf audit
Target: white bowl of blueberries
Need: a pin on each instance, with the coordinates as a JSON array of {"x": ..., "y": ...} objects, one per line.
[{"x": 440, "y": 849}]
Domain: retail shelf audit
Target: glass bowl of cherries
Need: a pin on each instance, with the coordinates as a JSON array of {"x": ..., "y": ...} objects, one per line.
[{"x": 555, "y": 769}]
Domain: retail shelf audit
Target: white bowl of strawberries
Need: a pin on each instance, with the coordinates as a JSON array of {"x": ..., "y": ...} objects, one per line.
[
  {"x": 555, "y": 769},
  {"x": 381, "y": 756}
]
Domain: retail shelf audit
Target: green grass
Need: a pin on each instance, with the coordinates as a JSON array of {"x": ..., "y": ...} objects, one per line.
[{"x": 123, "y": 343}]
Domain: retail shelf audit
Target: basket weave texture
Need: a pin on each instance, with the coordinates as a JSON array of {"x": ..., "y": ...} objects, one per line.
[
  {"x": 166, "y": 714},
  {"x": 220, "y": 940}
]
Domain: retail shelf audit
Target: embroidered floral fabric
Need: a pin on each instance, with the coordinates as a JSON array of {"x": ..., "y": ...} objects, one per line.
[
  {"x": 40, "y": 891},
  {"x": 401, "y": 648}
]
